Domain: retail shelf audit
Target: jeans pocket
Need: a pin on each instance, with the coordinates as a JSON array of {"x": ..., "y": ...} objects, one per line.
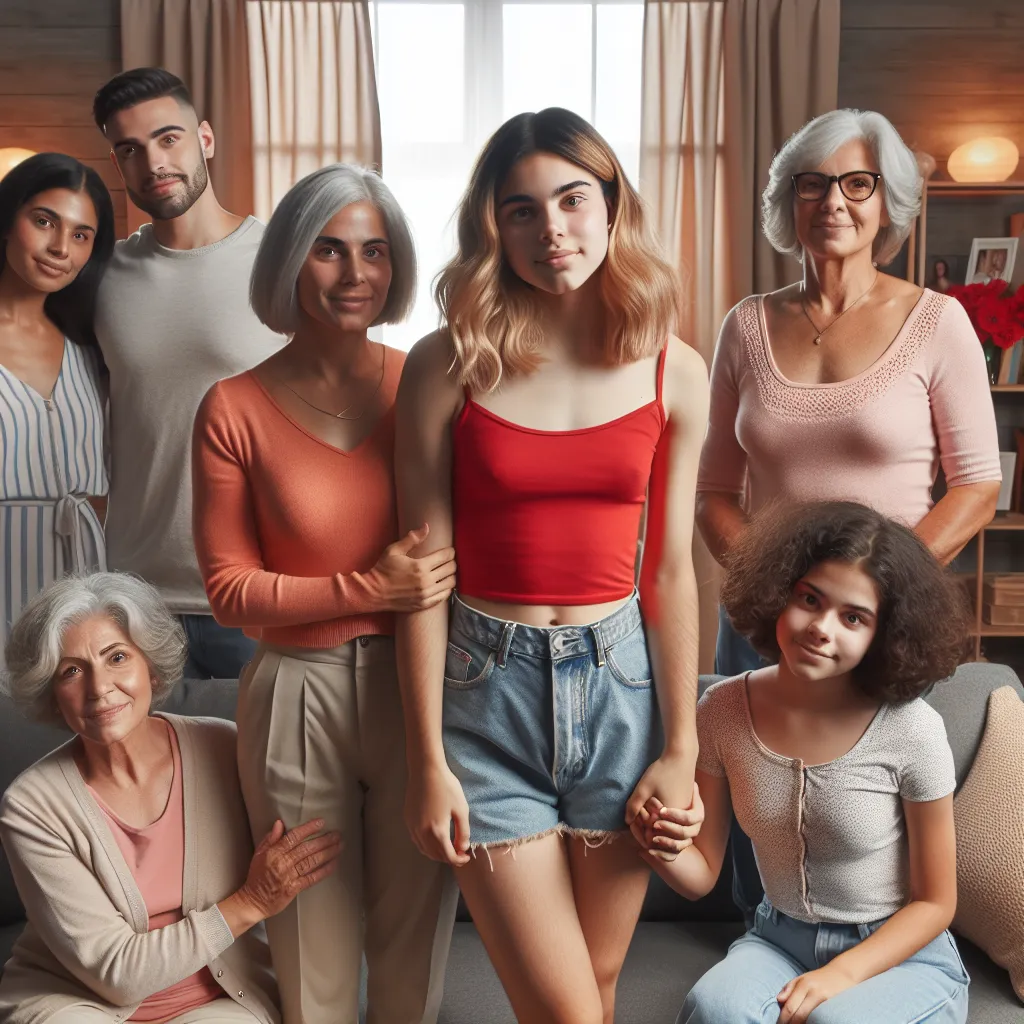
[
  {"x": 467, "y": 664},
  {"x": 629, "y": 661}
]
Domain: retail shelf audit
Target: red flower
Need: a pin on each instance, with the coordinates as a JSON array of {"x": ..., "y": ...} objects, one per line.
[
  {"x": 995, "y": 313},
  {"x": 993, "y": 318}
]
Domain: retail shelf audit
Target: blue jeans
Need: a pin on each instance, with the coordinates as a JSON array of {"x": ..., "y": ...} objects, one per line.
[
  {"x": 548, "y": 728},
  {"x": 734, "y": 655},
  {"x": 215, "y": 651},
  {"x": 930, "y": 986}
]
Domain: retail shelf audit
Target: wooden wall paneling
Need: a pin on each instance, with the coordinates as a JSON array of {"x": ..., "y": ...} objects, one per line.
[
  {"x": 998, "y": 15},
  {"x": 54, "y": 55},
  {"x": 943, "y": 71},
  {"x": 64, "y": 13}
]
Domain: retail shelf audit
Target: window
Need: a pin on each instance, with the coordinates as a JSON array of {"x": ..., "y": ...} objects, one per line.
[{"x": 448, "y": 74}]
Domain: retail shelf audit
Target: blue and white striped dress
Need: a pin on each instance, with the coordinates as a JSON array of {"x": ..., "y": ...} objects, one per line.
[{"x": 51, "y": 459}]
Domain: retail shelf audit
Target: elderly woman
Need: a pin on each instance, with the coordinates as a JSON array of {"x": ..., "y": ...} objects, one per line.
[
  {"x": 851, "y": 384},
  {"x": 297, "y": 537},
  {"x": 129, "y": 844}
]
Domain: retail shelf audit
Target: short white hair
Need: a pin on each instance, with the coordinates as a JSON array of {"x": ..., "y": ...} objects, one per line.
[
  {"x": 34, "y": 647},
  {"x": 297, "y": 222},
  {"x": 812, "y": 145}
]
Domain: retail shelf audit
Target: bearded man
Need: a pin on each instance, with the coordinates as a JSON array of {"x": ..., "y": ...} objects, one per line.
[{"x": 172, "y": 318}]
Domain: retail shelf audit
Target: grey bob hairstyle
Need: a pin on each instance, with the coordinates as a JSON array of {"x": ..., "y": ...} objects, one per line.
[
  {"x": 812, "y": 145},
  {"x": 34, "y": 646},
  {"x": 297, "y": 222}
]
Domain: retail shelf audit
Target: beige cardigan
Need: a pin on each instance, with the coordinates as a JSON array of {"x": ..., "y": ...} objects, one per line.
[{"x": 87, "y": 940}]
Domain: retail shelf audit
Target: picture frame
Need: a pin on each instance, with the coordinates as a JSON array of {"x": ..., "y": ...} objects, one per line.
[{"x": 991, "y": 258}]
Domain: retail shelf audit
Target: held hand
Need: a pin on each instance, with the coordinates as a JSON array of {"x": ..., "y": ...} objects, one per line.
[
  {"x": 670, "y": 780},
  {"x": 801, "y": 995},
  {"x": 409, "y": 584},
  {"x": 669, "y": 830},
  {"x": 285, "y": 863},
  {"x": 433, "y": 799}
]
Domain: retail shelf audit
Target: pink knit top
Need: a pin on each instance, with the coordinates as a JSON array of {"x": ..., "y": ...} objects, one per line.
[
  {"x": 155, "y": 855},
  {"x": 877, "y": 438}
]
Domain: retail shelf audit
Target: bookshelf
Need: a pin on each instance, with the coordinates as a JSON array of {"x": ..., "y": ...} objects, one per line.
[
  {"x": 917, "y": 253},
  {"x": 1003, "y": 521}
]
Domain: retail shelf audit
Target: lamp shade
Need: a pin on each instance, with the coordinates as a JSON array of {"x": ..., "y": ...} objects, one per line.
[
  {"x": 10, "y": 157},
  {"x": 989, "y": 159}
]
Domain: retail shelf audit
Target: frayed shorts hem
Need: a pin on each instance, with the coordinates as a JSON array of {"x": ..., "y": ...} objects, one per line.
[{"x": 592, "y": 839}]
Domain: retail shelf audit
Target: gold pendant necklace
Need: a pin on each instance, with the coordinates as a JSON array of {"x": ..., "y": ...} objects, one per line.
[
  {"x": 818, "y": 333},
  {"x": 339, "y": 415}
]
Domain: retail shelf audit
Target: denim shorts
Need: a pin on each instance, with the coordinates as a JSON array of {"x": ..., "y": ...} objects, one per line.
[{"x": 548, "y": 729}]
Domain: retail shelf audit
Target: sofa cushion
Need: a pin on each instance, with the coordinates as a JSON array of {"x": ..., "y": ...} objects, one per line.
[
  {"x": 962, "y": 700},
  {"x": 664, "y": 961},
  {"x": 989, "y": 811}
]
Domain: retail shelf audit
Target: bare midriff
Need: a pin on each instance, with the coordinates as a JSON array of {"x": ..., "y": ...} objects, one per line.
[{"x": 544, "y": 615}]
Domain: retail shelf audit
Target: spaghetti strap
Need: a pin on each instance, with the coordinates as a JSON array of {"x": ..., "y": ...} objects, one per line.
[{"x": 661, "y": 371}]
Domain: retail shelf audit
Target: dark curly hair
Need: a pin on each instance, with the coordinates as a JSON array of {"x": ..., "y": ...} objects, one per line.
[{"x": 923, "y": 622}]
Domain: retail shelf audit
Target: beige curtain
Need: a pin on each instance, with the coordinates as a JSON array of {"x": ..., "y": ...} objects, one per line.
[
  {"x": 204, "y": 43},
  {"x": 725, "y": 83},
  {"x": 314, "y": 95}
]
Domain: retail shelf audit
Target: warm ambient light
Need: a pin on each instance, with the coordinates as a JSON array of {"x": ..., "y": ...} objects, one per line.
[
  {"x": 988, "y": 159},
  {"x": 12, "y": 156}
]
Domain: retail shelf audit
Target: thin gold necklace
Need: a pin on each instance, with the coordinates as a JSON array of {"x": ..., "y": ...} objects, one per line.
[
  {"x": 339, "y": 415},
  {"x": 842, "y": 313}
]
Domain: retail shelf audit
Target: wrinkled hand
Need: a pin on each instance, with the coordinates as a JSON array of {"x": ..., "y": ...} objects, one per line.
[
  {"x": 285, "y": 863},
  {"x": 668, "y": 830},
  {"x": 801, "y": 995},
  {"x": 670, "y": 780},
  {"x": 409, "y": 584},
  {"x": 433, "y": 799}
]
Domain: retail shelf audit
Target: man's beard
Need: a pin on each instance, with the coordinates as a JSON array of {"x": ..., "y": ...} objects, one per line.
[{"x": 176, "y": 203}]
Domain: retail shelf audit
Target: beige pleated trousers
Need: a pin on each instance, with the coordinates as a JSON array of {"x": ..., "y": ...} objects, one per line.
[{"x": 320, "y": 735}]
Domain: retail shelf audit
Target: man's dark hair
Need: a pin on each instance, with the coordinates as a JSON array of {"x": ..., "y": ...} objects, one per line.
[
  {"x": 72, "y": 308},
  {"x": 923, "y": 623},
  {"x": 138, "y": 85}
]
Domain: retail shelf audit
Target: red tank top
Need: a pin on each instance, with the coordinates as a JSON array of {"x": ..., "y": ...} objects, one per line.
[{"x": 551, "y": 517}]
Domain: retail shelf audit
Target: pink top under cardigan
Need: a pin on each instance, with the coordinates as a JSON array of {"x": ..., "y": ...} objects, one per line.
[
  {"x": 877, "y": 438},
  {"x": 155, "y": 855}
]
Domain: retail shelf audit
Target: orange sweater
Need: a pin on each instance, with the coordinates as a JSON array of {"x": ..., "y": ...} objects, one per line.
[{"x": 284, "y": 523}]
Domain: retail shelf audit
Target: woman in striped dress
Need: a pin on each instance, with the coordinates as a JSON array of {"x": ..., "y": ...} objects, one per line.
[{"x": 56, "y": 236}]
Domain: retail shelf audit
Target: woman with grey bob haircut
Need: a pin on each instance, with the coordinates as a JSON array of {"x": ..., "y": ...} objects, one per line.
[
  {"x": 296, "y": 224},
  {"x": 815, "y": 143},
  {"x": 849, "y": 382},
  {"x": 296, "y": 534},
  {"x": 129, "y": 843},
  {"x": 33, "y": 649}
]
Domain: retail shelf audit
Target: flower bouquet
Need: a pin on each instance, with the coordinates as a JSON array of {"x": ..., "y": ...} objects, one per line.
[{"x": 997, "y": 314}]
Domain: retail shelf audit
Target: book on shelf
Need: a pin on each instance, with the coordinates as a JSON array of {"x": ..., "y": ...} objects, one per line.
[{"x": 1009, "y": 365}]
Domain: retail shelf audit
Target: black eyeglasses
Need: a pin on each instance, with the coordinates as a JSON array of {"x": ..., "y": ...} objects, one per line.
[{"x": 857, "y": 186}]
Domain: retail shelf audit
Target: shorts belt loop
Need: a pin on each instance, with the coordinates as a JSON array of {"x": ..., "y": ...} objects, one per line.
[
  {"x": 599, "y": 644},
  {"x": 505, "y": 643}
]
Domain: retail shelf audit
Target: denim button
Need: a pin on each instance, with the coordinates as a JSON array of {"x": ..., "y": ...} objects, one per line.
[
  {"x": 364, "y": 641},
  {"x": 220, "y": 974}
]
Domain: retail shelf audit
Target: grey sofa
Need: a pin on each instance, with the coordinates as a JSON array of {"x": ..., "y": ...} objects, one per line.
[{"x": 676, "y": 940}]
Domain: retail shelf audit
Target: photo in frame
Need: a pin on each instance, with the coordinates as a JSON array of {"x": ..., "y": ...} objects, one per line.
[{"x": 991, "y": 258}]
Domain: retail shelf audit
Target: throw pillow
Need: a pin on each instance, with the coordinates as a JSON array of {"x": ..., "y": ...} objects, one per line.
[{"x": 989, "y": 813}]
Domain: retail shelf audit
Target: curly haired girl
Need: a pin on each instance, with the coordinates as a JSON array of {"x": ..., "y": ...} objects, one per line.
[{"x": 839, "y": 773}]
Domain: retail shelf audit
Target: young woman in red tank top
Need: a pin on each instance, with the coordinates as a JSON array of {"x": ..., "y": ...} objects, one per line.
[{"x": 528, "y": 430}]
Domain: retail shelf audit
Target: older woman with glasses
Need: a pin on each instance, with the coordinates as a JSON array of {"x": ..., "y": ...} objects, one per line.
[
  {"x": 129, "y": 844},
  {"x": 851, "y": 384}
]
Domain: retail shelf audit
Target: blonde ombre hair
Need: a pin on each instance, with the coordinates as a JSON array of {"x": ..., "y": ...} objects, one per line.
[{"x": 488, "y": 310}]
